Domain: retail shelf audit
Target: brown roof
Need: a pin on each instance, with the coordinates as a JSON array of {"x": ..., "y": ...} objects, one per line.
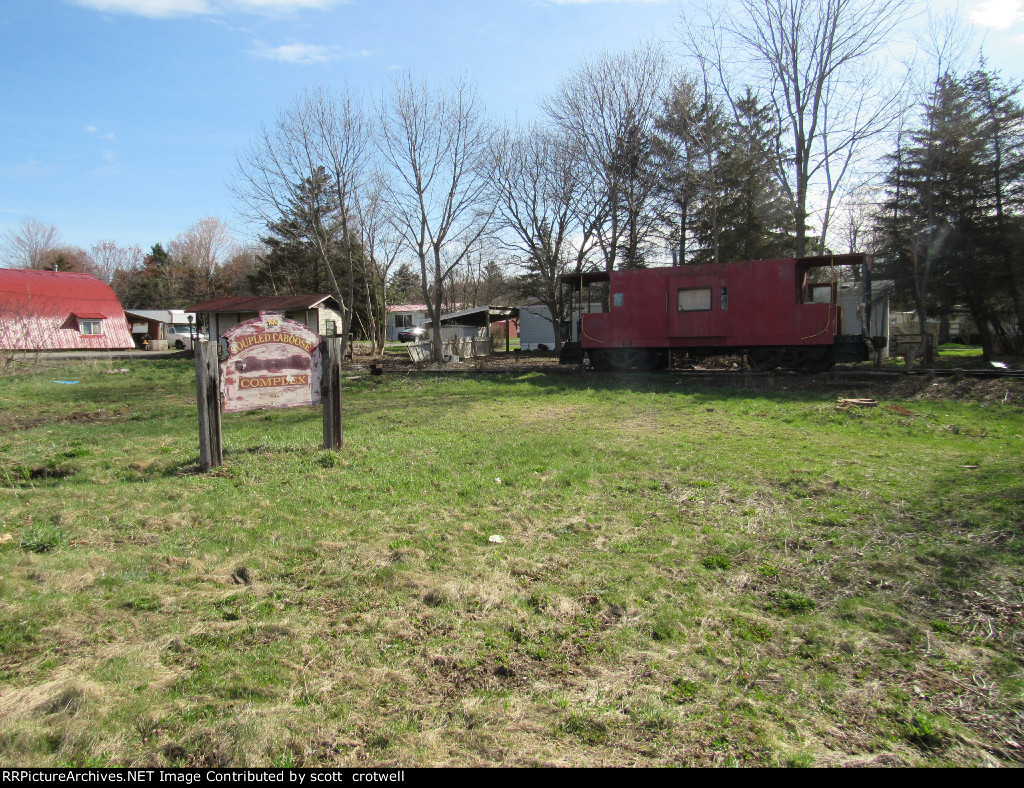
[{"x": 264, "y": 303}]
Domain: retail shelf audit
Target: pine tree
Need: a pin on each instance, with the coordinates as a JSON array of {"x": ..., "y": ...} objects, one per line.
[
  {"x": 952, "y": 215},
  {"x": 292, "y": 264},
  {"x": 754, "y": 220}
]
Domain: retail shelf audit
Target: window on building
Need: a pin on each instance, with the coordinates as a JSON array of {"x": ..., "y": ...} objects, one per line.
[
  {"x": 403, "y": 321},
  {"x": 330, "y": 328},
  {"x": 693, "y": 299},
  {"x": 90, "y": 327}
]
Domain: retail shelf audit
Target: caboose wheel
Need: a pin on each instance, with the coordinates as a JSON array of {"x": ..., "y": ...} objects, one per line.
[
  {"x": 624, "y": 358},
  {"x": 763, "y": 360},
  {"x": 817, "y": 361}
]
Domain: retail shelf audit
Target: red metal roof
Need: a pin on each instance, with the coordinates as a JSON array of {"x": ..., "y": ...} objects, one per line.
[
  {"x": 40, "y": 311},
  {"x": 58, "y": 293},
  {"x": 243, "y": 304}
]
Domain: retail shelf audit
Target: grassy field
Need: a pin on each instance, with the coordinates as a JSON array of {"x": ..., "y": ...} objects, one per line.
[{"x": 681, "y": 575}]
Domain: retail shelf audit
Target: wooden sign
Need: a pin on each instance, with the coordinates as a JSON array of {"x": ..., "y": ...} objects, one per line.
[{"x": 272, "y": 362}]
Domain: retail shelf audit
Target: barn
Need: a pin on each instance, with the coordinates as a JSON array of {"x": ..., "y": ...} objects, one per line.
[{"x": 55, "y": 310}]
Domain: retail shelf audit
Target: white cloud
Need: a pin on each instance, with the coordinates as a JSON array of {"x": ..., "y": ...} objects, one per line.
[
  {"x": 161, "y": 9},
  {"x": 588, "y": 2},
  {"x": 998, "y": 14},
  {"x": 281, "y": 5},
  {"x": 303, "y": 54},
  {"x": 93, "y": 130},
  {"x": 150, "y": 8}
]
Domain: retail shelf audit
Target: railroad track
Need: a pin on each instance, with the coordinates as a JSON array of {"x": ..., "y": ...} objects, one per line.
[{"x": 876, "y": 375}]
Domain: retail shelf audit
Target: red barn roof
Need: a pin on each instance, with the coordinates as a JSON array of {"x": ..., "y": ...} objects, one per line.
[{"x": 43, "y": 310}]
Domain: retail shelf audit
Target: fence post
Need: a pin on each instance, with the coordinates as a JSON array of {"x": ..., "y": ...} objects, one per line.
[
  {"x": 208, "y": 402},
  {"x": 330, "y": 391}
]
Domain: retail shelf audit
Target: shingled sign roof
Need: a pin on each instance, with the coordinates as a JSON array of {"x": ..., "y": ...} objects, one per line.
[{"x": 241, "y": 304}]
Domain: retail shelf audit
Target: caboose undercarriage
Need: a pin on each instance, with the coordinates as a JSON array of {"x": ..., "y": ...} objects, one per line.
[{"x": 761, "y": 359}]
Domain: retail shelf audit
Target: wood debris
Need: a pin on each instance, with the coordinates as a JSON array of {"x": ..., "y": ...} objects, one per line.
[{"x": 847, "y": 403}]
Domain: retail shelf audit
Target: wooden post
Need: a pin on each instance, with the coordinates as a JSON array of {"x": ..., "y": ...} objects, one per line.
[
  {"x": 208, "y": 402},
  {"x": 330, "y": 391}
]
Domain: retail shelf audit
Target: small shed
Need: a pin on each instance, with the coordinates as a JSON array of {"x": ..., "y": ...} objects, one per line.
[
  {"x": 467, "y": 333},
  {"x": 320, "y": 313},
  {"x": 58, "y": 310}
]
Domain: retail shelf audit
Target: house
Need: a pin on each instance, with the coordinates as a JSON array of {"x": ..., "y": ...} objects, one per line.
[
  {"x": 537, "y": 329},
  {"x": 318, "y": 312},
  {"x": 56, "y": 310},
  {"x": 849, "y": 297},
  {"x": 155, "y": 327},
  {"x": 404, "y": 316}
]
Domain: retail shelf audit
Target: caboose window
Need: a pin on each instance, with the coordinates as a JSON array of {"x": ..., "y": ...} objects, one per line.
[
  {"x": 693, "y": 299},
  {"x": 725, "y": 298},
  {"x": 618, "y": 299},
  {"x": 821, "y": 294}
]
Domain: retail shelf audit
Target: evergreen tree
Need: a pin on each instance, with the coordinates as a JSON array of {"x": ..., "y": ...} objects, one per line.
[
  {"x": 721, "y": 199},
  {"x": 291, "y": 263},
  {"x": 687, "y": 145},
  {"x": 404, "y": 287},
  {"x": 755, "y": 221},
  {"x": 950, "y": 225}
]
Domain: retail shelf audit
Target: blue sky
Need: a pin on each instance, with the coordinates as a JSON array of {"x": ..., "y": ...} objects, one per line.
[{"x": 122, "y": 119}]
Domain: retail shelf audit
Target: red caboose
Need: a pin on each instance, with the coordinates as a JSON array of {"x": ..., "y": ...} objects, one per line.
[{"x": 780, "y": 313}]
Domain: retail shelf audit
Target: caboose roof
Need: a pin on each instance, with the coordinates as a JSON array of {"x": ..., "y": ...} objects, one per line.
[{"x": 811, "y": 261}]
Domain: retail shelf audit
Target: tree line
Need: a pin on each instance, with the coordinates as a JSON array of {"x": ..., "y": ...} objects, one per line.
[{"x": 783, "y": 128}]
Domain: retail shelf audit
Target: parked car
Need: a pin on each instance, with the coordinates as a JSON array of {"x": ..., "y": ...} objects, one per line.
[
  {"x": 413, "y": 334},
  {"x": 179, "y": 336}
]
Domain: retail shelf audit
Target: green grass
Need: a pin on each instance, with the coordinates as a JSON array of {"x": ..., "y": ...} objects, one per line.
[
  {"x": 688, "y": 575},
  {"x": 948, "y": 356}
]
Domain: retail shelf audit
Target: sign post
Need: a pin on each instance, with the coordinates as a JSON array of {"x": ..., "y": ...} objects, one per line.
[
  {"x": 208, "y": 400},
  {"x": 330, "y": 391}
]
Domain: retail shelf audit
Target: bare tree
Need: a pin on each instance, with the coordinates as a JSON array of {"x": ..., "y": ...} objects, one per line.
[
  {"x": 205, "y": 246},
  {"x": 536, "y": 183},
  {"x": 199, "y": 252},
  {"x": 608, "y": 108},
  {"x": 26, "y": 246},
  {"x": 321, "y": 140},
  {"x": 817, "y": 61},
  {"x": 432, "y": 141},
  {"x": 108, "y": 258},
  {"x": 66, "y": 257},
  {"x": 381, "y": 244}
]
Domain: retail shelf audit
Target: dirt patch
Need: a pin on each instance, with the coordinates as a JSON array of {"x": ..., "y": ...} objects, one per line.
[
  {"x": 397, "y": 361},
  {"x": 10, "y": 421}
]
